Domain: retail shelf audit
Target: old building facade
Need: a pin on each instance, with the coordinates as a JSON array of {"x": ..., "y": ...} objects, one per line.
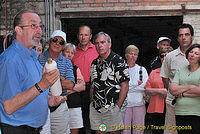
[{"x": 139, "y": 22}]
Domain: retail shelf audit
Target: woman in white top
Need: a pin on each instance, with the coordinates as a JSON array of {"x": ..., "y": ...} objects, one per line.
[{"x": 135, "y": 112}]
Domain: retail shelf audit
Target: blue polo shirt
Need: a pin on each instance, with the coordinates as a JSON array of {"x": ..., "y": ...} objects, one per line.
[
  {"x": 64, "y": 65},
  {"x": 19, "y": 71}
]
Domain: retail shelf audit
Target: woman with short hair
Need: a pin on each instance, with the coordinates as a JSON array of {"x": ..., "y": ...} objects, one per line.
[{"x": 186, "y": 87}]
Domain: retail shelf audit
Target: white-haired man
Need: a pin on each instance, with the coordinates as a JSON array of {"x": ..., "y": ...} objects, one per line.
[{"x": 59, "y": 116}]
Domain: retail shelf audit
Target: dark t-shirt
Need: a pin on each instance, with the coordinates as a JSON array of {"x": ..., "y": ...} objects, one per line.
[
  {"x": 156, "y": 63},
  {"x": 74, "y": 100}
]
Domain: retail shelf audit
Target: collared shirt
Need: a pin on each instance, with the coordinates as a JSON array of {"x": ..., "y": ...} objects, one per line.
[
  {"x": 156, "y": 103},
  {"x": 106, "y": 77},
  {"x": 83, "y": 60},
  {"x": 172, "y": 62},
  {"x": 135, "y": 93},
  {"x": 64, "y": 65},
  {"x": 19, "y": 71}
]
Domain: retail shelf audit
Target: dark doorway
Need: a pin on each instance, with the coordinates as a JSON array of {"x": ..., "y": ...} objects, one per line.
[{"x": 140, "y": 31}]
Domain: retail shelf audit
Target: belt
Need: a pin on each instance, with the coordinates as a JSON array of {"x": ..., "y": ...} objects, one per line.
[{"x": 23, "y": 127}]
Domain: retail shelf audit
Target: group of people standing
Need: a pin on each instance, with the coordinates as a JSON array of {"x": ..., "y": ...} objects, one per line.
[{"x": 101, "y": 91}]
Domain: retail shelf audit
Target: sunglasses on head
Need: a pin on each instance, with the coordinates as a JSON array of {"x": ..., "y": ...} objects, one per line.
[{"x": 55, "y": 40}]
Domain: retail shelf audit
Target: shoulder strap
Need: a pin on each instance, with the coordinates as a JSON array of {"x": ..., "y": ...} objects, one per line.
[
  {"x": 140, "y": 73},
  {"x": 75, "y": 73}
]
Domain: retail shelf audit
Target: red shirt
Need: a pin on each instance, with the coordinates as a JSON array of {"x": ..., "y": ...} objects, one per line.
[
  {"x": 157, "y": 103},
  {"x": 83, "y": 60}
]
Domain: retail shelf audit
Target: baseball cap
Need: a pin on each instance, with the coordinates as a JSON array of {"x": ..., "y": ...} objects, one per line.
[
  {"x": 59, "y": 33},
  {"x": 163, "y": 38}
]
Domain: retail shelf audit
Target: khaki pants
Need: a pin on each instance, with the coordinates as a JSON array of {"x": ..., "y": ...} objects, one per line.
[
  {"x": 46, "y": 129},
  {"x": 170, "y": 120},
  {"x": 113, "y": 119},
  {"x": 60, "y": 120}
]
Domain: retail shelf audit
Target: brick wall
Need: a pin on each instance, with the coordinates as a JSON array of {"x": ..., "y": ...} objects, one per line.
[
  {"x": 13, "y": 6},
  {"x": 123, "y": 3}
]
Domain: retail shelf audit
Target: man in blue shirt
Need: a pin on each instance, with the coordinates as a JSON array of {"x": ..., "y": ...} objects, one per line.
[
  {"x": 24, "y": 86},
  {"x": 59, "y": 116}
]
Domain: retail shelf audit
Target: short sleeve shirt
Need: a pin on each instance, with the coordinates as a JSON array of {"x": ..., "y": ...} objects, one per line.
[
  {"x": 156, "y": 104},
  {"x": 84, "y": 58},
  {"x": 187, "y": 105},
  {"x": 172, "y": 62},
  {"x": 106, "y": 77},
  {"x": 64, "y": 65},
  {"x": 19, "y": 71}
]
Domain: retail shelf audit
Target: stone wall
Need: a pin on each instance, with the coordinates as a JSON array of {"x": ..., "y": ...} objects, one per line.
[{"x": 194, "y": 20}]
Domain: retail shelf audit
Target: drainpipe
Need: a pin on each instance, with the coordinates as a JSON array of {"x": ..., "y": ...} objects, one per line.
[
  {"x": 5, "y": 41},
  {"x": 54, "y": 22},
  {"x": 50, "y": 17},
  {"x": 46, "y": 20},
  {"x": 6, "y": 27}
]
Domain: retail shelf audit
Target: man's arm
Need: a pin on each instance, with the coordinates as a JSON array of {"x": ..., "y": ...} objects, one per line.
[
  {"x": 23, "y": 98},
  {"x": 166, "y": 82},
  {"x": 123, "y": 93},
  {"x": 56, "y": 100},
  {"x": 67, "y": 84}
]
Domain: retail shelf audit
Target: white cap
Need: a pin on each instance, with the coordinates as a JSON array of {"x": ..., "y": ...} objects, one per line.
[
  {"x": 163, "y": 38},
  {"x": 59, "y": 33}
]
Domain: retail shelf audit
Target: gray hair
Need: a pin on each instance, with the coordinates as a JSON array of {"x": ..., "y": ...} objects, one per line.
[
  {"x": 18, "y": 18},
  {"x": 102, "y": 33},
  {"x": 131, "y": 48},
  {"x": 71, "y": 46}
]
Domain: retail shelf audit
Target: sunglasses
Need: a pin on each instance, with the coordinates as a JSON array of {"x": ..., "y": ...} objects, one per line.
[
  {"x": 55, "y": 40},
  {"x": 162, "y": 56}
]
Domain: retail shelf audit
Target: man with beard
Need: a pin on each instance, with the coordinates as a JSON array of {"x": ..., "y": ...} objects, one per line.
[{"x": 24, "y": 85}]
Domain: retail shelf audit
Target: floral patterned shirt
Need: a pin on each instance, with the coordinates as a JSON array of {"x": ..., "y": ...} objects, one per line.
[{"x": 106, "y": 77}]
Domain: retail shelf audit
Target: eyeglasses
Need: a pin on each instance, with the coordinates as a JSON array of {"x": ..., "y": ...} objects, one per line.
[
  {"x": 162, "y": 56},
  {"x": 34, "y": 26},
  {"x": 55, "y": 40}
]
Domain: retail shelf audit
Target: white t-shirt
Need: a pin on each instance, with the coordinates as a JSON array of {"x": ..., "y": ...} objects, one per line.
[{"x": 135, "y": 93}]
